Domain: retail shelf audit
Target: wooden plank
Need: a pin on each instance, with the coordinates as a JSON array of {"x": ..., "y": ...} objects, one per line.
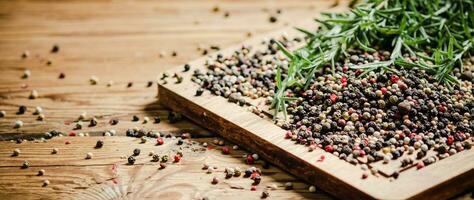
[
  {"x": 443, "y": 179},
  {"x": 72, "y": 177}
]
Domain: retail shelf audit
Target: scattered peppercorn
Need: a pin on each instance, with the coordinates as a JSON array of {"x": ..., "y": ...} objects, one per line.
[
  {"x": 25, "y": 54},
  {"x": 157, "y": 119},
  {"x": 149, "y": 84},
  {"x": 93, "y": 122},
  {"x": 156, "y": 158},
  {"x": 21, "y": 110},
  {"x": 225, "y": 150},
  {"x": 160, "y": 141},
  {"x": 41, "y": 172},
  {"x": 16, "y": 152},
  {"x": 46, "y": 183},
  {"x": 145, "y": 120},
  {"x": 135, "y": 118},
  {"x": 34, "y": 94},
  {"x": 62, "y": 75},
  {"x": 18, "y": 124},
  {"x": 99, "y": 144},
  {"x": 164, "y": 158},
  {"x": 94, "y": 80},
  {"x": 162, "y": 165},
  {"x": 26, "y": 74},
  {"x": 272, "y": 19},
  {"x": 113, "y": 122},
  {"x": 215, "y": 180},
  {"x": 55, "y": 49},
  {"x": 25, "y": 164},
  {"x": 136, "y": 152},
  {"x": 177, "y": 158},
  {"x": 288, "y": 185},
  {"x": 131, "y": 160},
  {"x": 129, "y": 84},
  {"x": 199, "y": 92},
  {"x": 187, "y": 67}
]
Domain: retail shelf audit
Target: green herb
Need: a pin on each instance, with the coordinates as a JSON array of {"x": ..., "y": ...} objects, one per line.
[{"x": 438, "y": 32}]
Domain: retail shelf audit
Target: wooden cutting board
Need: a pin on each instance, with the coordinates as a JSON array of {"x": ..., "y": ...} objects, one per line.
[{"x": 443, "y": 179}]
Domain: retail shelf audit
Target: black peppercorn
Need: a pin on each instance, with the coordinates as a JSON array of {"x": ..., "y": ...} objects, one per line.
[
  {"x": 157, "y": 119},
  {"x": 136, "y": 152},
  {"x": 257, "y": 180},
  {"x": 21, "y": 110},
  {"x": 247, "y": 173},
  {"x": 131, "y": 160},
  {"x": 149, "y": 84},
  {"x": 114, "y": 121},
  {"x": 272, "y": 19},
  {"x": 199, "y": 92},
  {"x": 93, "y": 122},
  {"x": 135, "y": 118},
  {"x": 55, "y": 49},
  {"x": 99, "y": 144},
  {"x": 187, "y": 67}
]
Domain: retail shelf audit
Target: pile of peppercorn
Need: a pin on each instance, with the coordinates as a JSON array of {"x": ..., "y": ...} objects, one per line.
[
  {"x": 245, "y": 73},
  {"x": 383, "y": 115},
  {"x": 380, "y": 116}
]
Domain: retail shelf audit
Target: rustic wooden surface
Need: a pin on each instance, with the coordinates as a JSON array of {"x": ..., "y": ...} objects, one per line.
[{"x": 119, "y": 41}]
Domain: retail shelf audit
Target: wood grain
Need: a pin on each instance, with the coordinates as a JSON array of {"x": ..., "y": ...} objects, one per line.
[
  {"x": 72, "y": 176},
  {"x": 117, "y": 41}
]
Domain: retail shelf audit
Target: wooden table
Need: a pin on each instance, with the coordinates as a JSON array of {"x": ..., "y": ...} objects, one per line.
[{"x": 120, "y": 41}]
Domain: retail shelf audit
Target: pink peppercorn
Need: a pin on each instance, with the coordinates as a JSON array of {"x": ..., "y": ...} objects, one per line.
[
  {"x": 72, "y": 133},
  {"x": 225, "y": 150},
  {"x": 253, "y": 188},
  {"x": 450, "y": 140},
  {"x": 67, "y": 142},
  {"x": 344, "y": 79},
  {"x": 333, "y": 98},
  {"x": 384, "y": 90},
  {"x": 160, "y": 141},
  {"x": 177, "y": 158},
  {"x": 321, "y": 158},
  {"x": 394, "y": 78},
  {"x": 365, "y": 175},
  {"x": 420, "y": 165},
  {"x": 288, "y": 135},
  {"x": 249, "y": 159},
  {"x": 441, "y": 108},
  {"x": 345, "y": 68},
  {"x": 329, "y": 148}
]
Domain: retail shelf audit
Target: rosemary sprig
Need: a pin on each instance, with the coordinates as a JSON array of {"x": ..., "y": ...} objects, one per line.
[{"x": 439, "y": 32}]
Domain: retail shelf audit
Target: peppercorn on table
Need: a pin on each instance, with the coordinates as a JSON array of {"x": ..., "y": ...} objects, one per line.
[
  {"x": 230, "y": 93},
  {"x": 99, "y": 60}
]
